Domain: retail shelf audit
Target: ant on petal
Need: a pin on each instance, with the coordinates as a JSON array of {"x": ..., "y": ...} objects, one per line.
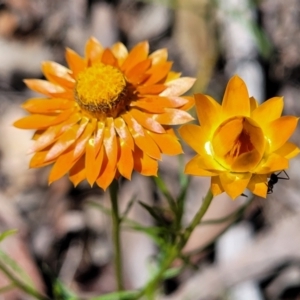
[{"x": 274, "y": 179}]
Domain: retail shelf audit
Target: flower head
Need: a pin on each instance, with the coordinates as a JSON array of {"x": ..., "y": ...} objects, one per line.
[
  {"x": 239, "y": 144},
  {"x": 106, "y": 115}
]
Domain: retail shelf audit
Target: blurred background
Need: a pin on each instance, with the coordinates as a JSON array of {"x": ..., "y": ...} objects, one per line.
[{"x": 61, "y": 235}]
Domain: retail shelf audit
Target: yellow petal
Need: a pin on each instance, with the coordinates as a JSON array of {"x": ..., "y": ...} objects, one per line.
[
  {"x": 258, "y": 185},
  {"x": 234, "y": 184},
  {"x": 268, "y": 111},
  {"x": 272, "y": 163},
  {"x": 208, "y": 111},
  {"x": 236, "y": 100},
  {"x": 253, "y": 104},
  {"x": 216, "y": 186},
  {"x": 192, "y": 168},
  {"x": 196, "y": 137},
  {"x": 288, "y": 150},
  {"x": 279, "y": 131}
]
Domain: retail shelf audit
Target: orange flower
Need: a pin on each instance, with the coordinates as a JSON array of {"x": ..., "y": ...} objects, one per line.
[
  {"x": 107, "y": 115},
  {"x": 239, "y": 143}
]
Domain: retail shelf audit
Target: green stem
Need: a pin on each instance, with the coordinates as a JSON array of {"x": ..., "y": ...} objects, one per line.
[
  {"x": 176, "y": 250},
  {"x": 116, "y": 221},
  {"x": 22, "y": 286}
]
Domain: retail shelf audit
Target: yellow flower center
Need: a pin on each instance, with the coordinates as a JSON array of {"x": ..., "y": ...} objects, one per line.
[
  {"x": 101, "y": 91},
  {"x": 238, "y": 144}
]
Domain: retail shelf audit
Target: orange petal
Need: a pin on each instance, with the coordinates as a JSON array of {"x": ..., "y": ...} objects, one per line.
[
  {"x": 167, "y": 143},
  {"x": 42, "y": 106},
  {"x": 236, "y": 100},
  {"x": 93, "y": 51},
  {"x": 159, "y": 56},
  {"x": 35, "y": 122},
  {"x": 189, "y": 104},
  {"x": 141, "y": 138},
  {"x": 137, "y": 74},
  {"x": 125, "y": 162},
  {"x": 107, "y": 174},
  {"x": 120, "y": 52},
  {"x": 110, "y": 142},
  {"x": 123, "y": 132},
  {"x": 99, "y": 136},
  {"x": 158, "y": 72},
  {"x": 48, "y": 137},
  {"x": 83, "y": 139},
  {"x": 258, "y": 185},
  {"x": 63, "y": 143},
  {"x": 234, "y": 184},
  {"x": 144, "y": 164},
  {"x": 38, "y": 159},
  {"x": 93, "y": 162},
  {"x": 136, "y": 55},
  {"x": 108, "y": 58},
  {"x": 208, "y": 110},
  {"x": 192, "y": 168},
  {"x": 43, "y": 86},
  {"x": 62, "y": 166},
  {"x": 158, "y": 104},
  {"x": 146, "y": 120},
  {"x": 75, "y": 62},
  {"x": 151, "y": 89},
  {"x": 178, "y": 86},
  {"x": 77, "y": 172},
  {"x": 173, "y": 116},
  {"x": 58, "y": 74},
  {"x": 279, "y": 131}
]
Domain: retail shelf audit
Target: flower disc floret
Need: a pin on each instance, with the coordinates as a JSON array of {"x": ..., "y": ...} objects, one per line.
[
  {"x": 100, "y": 89},
  {"x": 239, "y": 144}
]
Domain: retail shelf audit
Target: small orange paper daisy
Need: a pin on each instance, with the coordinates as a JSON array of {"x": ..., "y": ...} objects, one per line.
[
  {"x": 239, "y": 144},
  {"x": 107, "y": 115}
]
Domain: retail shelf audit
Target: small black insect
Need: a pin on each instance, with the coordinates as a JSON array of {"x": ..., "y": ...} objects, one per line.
[{"x": 274, "y": 179}]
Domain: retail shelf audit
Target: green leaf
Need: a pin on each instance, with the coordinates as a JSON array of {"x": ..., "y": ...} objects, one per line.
[
  {"x": 13, "y": 265},
  {"x": 124, "y": 295},
  {"x": 128, "y": 208},
  {"x": 155, "y": 212},
  {"x": 61, "y": 292},
  {"x": 7, "y": 233},
  {"x": 163, "y": 188}
]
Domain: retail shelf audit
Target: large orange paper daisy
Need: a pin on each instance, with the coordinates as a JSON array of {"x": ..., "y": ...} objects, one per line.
[
  {"x": 239, "y": 144},
  {"x": 108, "y": 114}
]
